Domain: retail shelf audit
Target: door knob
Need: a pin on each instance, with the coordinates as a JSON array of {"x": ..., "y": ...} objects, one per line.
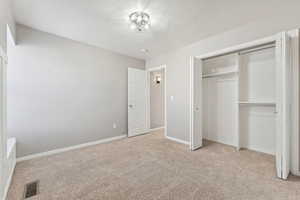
[{"x": 130, "y": 106}]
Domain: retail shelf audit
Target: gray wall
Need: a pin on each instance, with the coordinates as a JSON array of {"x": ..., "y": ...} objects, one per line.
[
  {"x": 157, "y": 100},
  {"x": 62, "y": 93}
]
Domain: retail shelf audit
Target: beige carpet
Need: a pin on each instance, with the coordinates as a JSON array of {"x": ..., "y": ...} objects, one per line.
[{"x": 152, "y": 167}]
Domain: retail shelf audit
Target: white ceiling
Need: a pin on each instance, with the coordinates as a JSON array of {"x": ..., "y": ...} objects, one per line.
[{"x": 175, "y": 23}]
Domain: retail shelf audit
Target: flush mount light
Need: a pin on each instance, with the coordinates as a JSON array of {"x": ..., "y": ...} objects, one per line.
[{"x": 140, "y": 21}]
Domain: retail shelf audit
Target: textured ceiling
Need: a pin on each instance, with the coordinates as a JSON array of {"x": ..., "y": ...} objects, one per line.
[{"x": 175, "y": 23}]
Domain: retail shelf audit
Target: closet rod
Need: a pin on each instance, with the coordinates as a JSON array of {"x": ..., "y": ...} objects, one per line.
[
  {"x": 257, "y": 49},
  {"x": 246, "y": 50}
]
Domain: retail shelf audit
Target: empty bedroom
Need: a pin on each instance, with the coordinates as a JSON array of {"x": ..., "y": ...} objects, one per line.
[{"x": 149, "y": 100}]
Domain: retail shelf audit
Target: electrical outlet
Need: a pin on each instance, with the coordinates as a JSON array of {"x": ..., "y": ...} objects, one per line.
[{"x": 114, "y": 125}]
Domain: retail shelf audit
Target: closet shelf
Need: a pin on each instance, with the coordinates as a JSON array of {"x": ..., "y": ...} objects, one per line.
[
  {"x": 257, "y": 103},
  {"x": 218, "y": 74}
]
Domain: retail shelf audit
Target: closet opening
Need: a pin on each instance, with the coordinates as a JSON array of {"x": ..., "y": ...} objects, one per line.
[
  {"x": 240, "y": 97},
  {"x": 157, "y": 99},
  {"x": 239, "y": 102}
]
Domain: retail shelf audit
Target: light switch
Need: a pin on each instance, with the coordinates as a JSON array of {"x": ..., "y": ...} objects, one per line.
[{"x": 172, "y": 98}]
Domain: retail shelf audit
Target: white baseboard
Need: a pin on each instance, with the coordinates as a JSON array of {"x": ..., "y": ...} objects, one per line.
[
  {"x": 143, "y": 132},
  {"x": 56, "y": 151},
  {"x": 295, "y": 172},
  {"x": 156, "y": 129},
  {"x": 178, "y": 140}
]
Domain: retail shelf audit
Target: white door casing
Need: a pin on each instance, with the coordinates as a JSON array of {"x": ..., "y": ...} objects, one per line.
[
  {"x": 3, "y": 134},
  {"x": 294, "y": 138},
  {"x": 283, "y": 105},
  {"x": 137, "y": 102}
]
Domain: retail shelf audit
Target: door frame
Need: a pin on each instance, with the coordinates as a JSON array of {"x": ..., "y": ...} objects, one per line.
[
  {"x": 3, "y": 134},
  {"x": 295, "y": 151},
  {"x": 225, "y": 51},
  {"x": 149, "y": 70},
  {"x": 295, "y": 137}
]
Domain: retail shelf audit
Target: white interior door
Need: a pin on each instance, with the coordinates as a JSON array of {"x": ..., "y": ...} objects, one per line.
[
  {"x": 283, "y": 106},
  {"x": 196, "y": 104},
  {"x": 137, "y": 102}
]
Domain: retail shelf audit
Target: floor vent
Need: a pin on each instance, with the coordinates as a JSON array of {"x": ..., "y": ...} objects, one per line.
[{"x": 31, "y": 189}]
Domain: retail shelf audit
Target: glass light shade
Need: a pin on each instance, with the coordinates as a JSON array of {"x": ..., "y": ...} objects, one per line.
[{"x": 140, "y": 21}]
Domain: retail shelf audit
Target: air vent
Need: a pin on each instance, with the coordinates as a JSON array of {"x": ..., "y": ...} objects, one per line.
[{"x": 31, "y": 189}]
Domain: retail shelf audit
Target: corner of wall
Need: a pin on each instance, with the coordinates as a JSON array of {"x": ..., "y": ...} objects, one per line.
[{"x": 9, "y": 166}]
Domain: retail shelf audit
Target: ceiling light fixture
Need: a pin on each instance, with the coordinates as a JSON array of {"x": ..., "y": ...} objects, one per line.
[{"x": 140, "y": 21}]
